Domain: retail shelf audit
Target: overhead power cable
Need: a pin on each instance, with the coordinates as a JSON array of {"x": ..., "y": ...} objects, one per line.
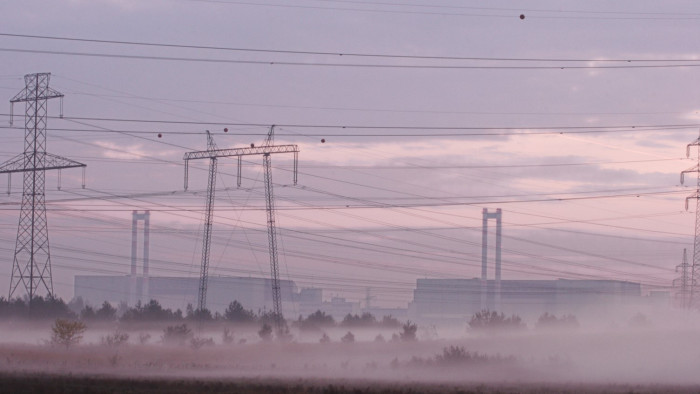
[
  {"x": 346, "y": 65},
  {"x": 345, "y": 54}
]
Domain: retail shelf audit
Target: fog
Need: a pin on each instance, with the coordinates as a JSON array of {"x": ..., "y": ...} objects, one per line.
[{"x": 655, "y": 349}]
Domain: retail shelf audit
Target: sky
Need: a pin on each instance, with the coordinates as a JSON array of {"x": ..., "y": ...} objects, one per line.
[{"x": 410, "y": 116}]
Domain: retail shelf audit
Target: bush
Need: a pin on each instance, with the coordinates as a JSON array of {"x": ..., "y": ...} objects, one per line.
[
  {"x": 409, "y": 331},
  {"x": 348, "y": 338},
  {"x": 116, "y": 339},
  {"x": 227, "y": 336},
  {"x": 237, "y": 314},
  {"x": 492, "y": 320},
  {"x": 176, "y": 335},
  {"x": 364, "y": 320},
  {"x": 316, "y": 321},
  {"x": 67, "y": 332},
  {"x": 324, "y": 338},
  {"x": 197, "y": 343},
  {"x": 547, "y": 321},
  {"x": 265, "y": 332}
]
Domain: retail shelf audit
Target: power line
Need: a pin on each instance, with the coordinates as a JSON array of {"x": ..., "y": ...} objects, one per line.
[
  {"x": 345, "y": 65},
  {"x": 344, "y": 54}
]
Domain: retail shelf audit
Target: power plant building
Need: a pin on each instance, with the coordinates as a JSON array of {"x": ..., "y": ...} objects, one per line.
[{"x": 444, "y": 300}]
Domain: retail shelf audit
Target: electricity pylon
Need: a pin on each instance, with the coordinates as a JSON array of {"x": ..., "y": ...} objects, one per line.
[
  {"x": 684, "y": 281},
  {"x": 266, "y": 150},
  {"x": 695, "y": 270},
  {"x": 31, "y": 265}
]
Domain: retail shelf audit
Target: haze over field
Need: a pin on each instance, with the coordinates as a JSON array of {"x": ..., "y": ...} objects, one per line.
[{"x": 411, "y": 117}]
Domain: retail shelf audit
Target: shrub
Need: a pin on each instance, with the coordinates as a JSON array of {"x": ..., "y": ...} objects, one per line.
[
  {"x": 67, "y": 332},
  {"x": 492, "y": 320},
  {"x": 144, "y": 338},
  {"x": 176, "y": 335},
  {"x": 409, "y": 331},
  {"x": 265, "y": 332},
  {"x": 236, "y": 313},
  {"x": 364, "y": 320},
  {"x": 324, "y": 338},
  {"x": 227, "y": 336},
  {"x": 116, "y": 339},
  {"x": 348, "y": 338},
  {"x": 547, "y": 321},
  {"x": 316, "y": 321},
  {"x": 197, "y": 343}
]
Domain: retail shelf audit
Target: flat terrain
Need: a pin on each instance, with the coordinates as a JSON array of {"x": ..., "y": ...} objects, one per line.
[
  {"x": 611, "y": 360},
  {"x": 59, "y": 384}
]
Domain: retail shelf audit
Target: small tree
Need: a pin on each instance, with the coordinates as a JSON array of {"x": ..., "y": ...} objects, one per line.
[
  {"x": 106, "y": 312},
  {"x": 178, "y": 334},
  {"x": 236, "y": 313},
  {"x": 492, "y": 320},
  {"x": 67, "y": 332},
  {"x": 227, "y": 336},
  {"x": 324, "y": 338},
  {"x": 409, "y": 331},
  {"x": 549, "y": 321},
  {"x": 115, "y": 340},
  {"x": 265, "y": 332},
  {"x": 316, "y": 321},
  {"x": 348, "y": 338}
]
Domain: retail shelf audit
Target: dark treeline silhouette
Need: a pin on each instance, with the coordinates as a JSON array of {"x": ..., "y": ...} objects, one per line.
[
  {"x": 320, "y": 320},
  {"x": 39, "y": 308}
]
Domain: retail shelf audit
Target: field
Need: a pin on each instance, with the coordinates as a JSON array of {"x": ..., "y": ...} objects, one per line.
[
  {"x": 611, "y": 360},
  {"x": 97, "y": 384}
]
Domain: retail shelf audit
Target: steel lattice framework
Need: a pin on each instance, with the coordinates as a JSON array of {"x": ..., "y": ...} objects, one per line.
[
  {"x": 266, "y": 150},
  {"x": 695, "y": 267},
  {"x": 31, "y": 265},
  {"x": 684, "y": 282}
]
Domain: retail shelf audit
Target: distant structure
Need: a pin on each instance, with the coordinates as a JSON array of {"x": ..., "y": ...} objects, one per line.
[
  {"x": 456, "y": 300},
  {"x": 484, "y": 256},
  {"x": 31, "y": 267},
  {"x": 178, "y": 292},
  {"x": 139, "y": 285},
  {"x": 266, "y": 150},
  {"x": 683, "y": 282},
  {"x": 695, "y": 269}
]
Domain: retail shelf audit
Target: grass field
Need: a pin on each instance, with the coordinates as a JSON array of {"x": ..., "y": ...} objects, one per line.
[{"x": 59, "y": 384}]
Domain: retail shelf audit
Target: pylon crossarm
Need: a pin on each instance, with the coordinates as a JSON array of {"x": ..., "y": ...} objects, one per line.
[
  {"x": 687, "y": 147},
  {"x": 689, "y": 170},
  {"x": 209, "y": 154},
  {"x": 23, "y": 162}
]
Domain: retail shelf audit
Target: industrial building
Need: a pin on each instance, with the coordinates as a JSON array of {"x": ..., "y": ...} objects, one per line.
[{"x": 456, "y": 300}]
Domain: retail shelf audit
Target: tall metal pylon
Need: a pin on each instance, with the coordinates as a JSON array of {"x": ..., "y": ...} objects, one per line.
[
  {"x": 266, "y": 150},
  {"x": 683, "y": 282},
  {"x": 484, "y": 257},
  {"x": 695, "y": 270},
  {"x": 31, "y": 265}
]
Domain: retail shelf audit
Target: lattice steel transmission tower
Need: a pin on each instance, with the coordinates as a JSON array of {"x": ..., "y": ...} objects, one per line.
[
  {"x": 266, "y": 150},
  {"x": 31, "y": 265},
  {"x": 484, "y": 257},
  {"x": 683, "y": 282},
  {"x": 695, "y": 269}
]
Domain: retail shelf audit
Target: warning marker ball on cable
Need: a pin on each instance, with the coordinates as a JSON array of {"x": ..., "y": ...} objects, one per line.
[
  {"x": 323, "y": 140},
  {"x": 226, "y": 130},
  {"x": 522, "y": 16},
  {"x": 160, "y": 135}
]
